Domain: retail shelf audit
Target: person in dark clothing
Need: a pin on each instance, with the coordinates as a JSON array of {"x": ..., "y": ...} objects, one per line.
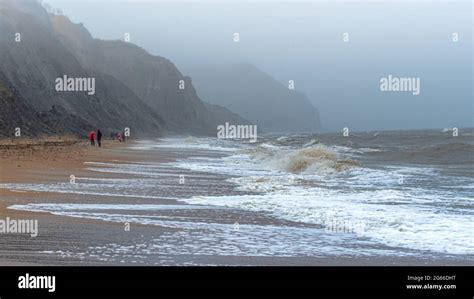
[{"x": 99, "y": 137}]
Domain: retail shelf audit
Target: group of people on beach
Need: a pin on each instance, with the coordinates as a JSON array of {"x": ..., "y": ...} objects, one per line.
[
  {"x": 96, "y": 137},
  {"x": 93, "y": 136}
]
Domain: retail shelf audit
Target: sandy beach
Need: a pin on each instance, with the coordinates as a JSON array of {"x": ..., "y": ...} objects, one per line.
[
  {"x": 64, "y": 240},
  {"x": 39, "y": 160}
]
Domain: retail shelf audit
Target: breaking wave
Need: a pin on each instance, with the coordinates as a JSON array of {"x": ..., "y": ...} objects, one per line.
[{"x": 317, "y": 159}]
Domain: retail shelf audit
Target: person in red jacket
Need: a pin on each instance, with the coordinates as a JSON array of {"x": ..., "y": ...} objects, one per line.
[{"x": 92, "y": 138}]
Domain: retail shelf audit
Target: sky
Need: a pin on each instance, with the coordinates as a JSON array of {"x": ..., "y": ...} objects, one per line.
[{"x": 304, "y": 42}]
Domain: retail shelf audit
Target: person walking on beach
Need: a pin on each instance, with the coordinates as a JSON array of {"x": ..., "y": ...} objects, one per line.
[
  {"x": 99, "y": 137},
  {"x": 92, "y": 138}
]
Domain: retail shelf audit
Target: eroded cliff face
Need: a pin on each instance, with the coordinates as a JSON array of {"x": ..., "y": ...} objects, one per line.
[
  {"x": 132, "y": 88},
  {"x": 32, "y": 63},
  {"x": 154, "y": 79},
  {"x": 17, "y": 116}
]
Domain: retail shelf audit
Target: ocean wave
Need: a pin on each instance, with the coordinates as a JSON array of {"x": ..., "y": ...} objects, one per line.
[
  {"x": 309, "y": 182},
  {"x": 310, "y": 158},
  {"x": 318, "y": 159},
  {"x": 312, "y": 142},
  {"x": 386, "y": 215},
  {"x": 369, "y": 150}
]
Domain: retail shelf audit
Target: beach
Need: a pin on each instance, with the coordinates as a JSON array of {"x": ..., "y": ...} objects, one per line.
[{"x": 129, "y": 204}]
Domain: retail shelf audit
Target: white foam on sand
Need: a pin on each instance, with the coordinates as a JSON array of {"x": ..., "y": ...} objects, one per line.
[
  {"x": 83, "y": 189},
  {"x": 394, "y": 210},
  {"x": 384, "y": 215},
  {"x": 62, "y": 207},
  {"x": 195, "y": 237},
  {"x": 316, "y": 184},
  {"x": 189, "y": 143}
]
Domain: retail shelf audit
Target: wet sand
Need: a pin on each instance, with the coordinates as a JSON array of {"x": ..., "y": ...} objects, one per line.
[
  {"x": 47, "y": 160},
  {"x": 66, "y": 240}
]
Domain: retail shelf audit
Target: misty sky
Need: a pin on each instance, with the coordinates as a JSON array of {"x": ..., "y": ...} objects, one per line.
[{"x": 304, "y": 42}]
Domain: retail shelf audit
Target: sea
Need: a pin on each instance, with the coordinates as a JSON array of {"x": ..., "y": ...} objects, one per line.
[{"x": 369, "y": 194}]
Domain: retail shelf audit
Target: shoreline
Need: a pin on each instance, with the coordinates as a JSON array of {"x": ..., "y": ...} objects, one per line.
[
  {"x": 43, "y": 160},
  {"x": 62, "y": 237}
]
